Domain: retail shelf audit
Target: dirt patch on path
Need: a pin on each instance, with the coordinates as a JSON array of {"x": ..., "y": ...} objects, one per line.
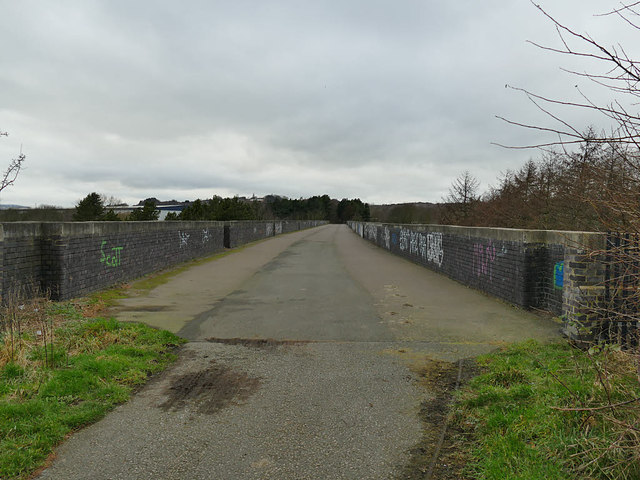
[
  {"x": 261, "y": 343},
  {"x": 209, "y": 390}
]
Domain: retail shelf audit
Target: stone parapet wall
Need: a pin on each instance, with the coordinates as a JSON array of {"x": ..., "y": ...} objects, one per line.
[
  {"x": 241, "y": 233},
  {"x": 74, "y": 258},
  {"x": 534, "y": 269}
]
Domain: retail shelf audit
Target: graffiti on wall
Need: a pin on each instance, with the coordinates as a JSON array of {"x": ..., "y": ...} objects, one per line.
[
  {"x": 404, "y": 239},
  {"x": 414, "y": 241},
  {"x": 206, "y": 236},
  {"x": 387, "y": 238},
  {"x": 427, "y": 246},
  {"x": 434, "y": 249},
  {"x": 558, "y": 275},
  {"x": 269, "y": 230},
  {"x": 113, "y": 256},
  {"x": 278, "y": 228},
  {"x": 483, "y": 258},
  {"x": 371, "y": 232},
  {"x": 184, "y": 239}
]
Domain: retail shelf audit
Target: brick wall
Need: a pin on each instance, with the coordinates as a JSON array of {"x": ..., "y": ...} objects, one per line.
[
  {"x": 74, "y": 258},
  {"x": 245, "y": 232},
  {"x": 534, "y": 269},
  {"x": 22, "y": 259}
]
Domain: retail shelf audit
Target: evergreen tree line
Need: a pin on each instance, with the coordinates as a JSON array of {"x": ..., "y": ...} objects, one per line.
[
  {"x": 92, "y": 208},
  {"x": 275, "y": 208}
]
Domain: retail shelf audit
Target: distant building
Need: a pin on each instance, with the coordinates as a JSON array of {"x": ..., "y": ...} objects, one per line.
[{"x": 164, "y": 207}]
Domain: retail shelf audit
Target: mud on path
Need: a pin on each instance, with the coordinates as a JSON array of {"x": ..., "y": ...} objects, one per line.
[
  {"x": 233, "y": 411},
  {"x": 261, "y": 343},
  {"x": 209, "y": 390}
]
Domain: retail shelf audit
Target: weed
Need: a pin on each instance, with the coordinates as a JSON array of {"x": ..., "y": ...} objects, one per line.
[
  {"x": 553, "y": 412},
  {"x": 11, "y": 371},
  {"x": 60, "y": 371}
]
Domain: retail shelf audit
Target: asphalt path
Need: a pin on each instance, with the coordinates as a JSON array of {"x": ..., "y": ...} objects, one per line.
[{"x": 301, "y": 365}]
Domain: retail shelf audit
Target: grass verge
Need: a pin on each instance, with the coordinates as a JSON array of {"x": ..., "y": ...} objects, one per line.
[
  {"x": 50, "y": 388},
  {"x": 551, "y": 412}
]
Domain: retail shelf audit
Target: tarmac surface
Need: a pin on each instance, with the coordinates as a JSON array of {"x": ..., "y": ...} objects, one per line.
[{"x": 301, "y": 365}]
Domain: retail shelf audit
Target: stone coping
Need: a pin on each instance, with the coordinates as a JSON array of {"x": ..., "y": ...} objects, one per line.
[{"x": 578, "y": 240}]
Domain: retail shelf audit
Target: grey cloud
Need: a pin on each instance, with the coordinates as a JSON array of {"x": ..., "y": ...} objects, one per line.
[{"x": 386, "y": 101}]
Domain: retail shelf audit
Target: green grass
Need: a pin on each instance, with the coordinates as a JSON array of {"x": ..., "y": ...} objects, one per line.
[
  {"x": 514, "y": 415},
  {"x": 98, "y": 363}
]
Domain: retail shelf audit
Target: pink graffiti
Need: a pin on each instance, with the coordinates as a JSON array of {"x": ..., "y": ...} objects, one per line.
[{"x": 483, "y": 258}]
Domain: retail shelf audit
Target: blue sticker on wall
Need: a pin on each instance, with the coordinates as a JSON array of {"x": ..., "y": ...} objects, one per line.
[{"x": 558, "y": 275}]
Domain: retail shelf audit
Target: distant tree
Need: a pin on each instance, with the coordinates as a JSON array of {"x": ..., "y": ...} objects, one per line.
[
  {"x": 366, "y": 213},
  {"x": 196, "y": 210},
  {"x": 112, "y": 201},
  {"x": 402, "y": 213},
  {"x": 272, "y": 207},
  {"x": 424, "y": 213},
  {"x": 110, "y": 216},
  {"x": 39, "y": 214},
  {"x": 464, "y": 189},
  {"x": 232, "y": 209},
  {"x": 463, "y": 197},
  {"x": 221, "y": 209},
  {"x": 352, "y": 210},
  {"x": 148, "y": 212},
  {"x": 153, "y": 200},
  {"x": 90, "y": 208}
]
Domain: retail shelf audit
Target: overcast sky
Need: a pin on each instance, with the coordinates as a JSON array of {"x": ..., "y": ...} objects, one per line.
[{"x": 385, "y": 101}]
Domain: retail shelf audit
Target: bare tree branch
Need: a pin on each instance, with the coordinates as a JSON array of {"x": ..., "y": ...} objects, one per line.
[{"x": 11, "y": 173}]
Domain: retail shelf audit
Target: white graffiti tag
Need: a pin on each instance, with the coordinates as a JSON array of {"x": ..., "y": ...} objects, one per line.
[
  {"x": 206, "y": 236},
  {"x": 414, "y": 241},
  {"x": 184, "y": 238},
  {"x": 387, "y": 238},
  {"x": 371, "y": 232},
  {"x": 435, "y": 252},
  {"x": 423, "y": 246},
  {"x": 404, "y": 239}
]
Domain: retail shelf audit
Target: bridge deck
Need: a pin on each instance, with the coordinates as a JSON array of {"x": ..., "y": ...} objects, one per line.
[{"x": 304, "y": 361}]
